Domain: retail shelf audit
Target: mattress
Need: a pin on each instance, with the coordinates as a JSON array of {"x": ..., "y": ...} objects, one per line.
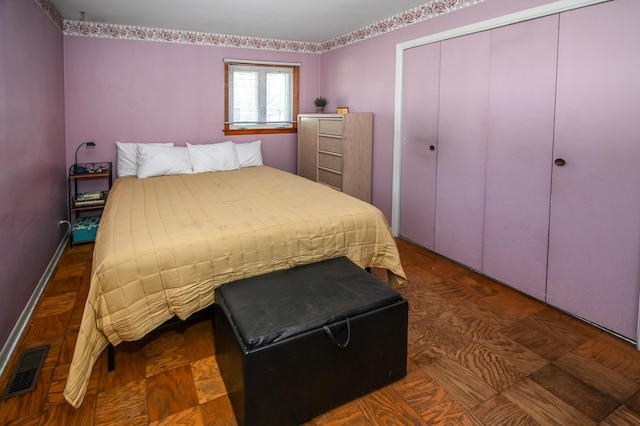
[{"x": 166, "y": 243}]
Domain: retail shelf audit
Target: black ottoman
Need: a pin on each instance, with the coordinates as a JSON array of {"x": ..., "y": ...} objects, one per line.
[{"x": 293, "y": 344}]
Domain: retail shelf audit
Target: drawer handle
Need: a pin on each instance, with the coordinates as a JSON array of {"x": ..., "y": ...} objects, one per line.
[
  {"x": 560, "y": 162},
  {"x": 333, "y": 338},
  {"x": 432, "y": 148}
]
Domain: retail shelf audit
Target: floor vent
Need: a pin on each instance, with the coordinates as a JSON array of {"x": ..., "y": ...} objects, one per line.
[{"x": 25, "y": 377}]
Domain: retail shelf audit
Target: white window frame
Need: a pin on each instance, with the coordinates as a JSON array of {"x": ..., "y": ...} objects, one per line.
[{"x": 260, "y": 123}]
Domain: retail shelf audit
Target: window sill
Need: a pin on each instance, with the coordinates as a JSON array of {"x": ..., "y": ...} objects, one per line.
[{"x": 259, "y": 131}]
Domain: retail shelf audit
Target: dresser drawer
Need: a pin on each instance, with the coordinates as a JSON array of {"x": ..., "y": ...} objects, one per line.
[
  {"x": 329, "y": 161},
  {"x": 330, "y": 178},
  {"x": 330, "y": 144},
  {"x": 330, "y": 127}
]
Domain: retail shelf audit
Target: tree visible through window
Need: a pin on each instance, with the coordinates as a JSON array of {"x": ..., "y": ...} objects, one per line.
[{"x": 260, "y": 97}]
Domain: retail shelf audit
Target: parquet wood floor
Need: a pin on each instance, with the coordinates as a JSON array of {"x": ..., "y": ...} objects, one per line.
[{"x": 480, "y": 353}]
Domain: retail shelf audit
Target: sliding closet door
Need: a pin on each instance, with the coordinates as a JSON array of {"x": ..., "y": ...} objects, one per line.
[
  {"x": 519, "y": 153},
  {"x": 594, "y": 252},
  {"x": 464, "y": 102},
  {"x": 419, "y": 144}
]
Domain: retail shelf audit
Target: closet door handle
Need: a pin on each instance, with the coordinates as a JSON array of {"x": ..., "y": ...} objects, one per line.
[
  {"x": 432, "y": 148},
  {"x": 560, "y": 162}
]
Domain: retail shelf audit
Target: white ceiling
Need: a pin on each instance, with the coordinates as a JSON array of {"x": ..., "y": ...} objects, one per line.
[{"x": 297, "y": 20}]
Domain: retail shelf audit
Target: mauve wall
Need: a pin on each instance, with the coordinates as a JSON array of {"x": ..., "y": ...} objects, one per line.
[
  {"x": 362, "y": 77},
  {"x": 149, "y": 91},
  {"x": 32, "y": 153},
  {"x": 139, "y": 91}
]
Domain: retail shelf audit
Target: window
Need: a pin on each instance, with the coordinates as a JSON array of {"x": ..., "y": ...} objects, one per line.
[{"x": 260, "y": 97}]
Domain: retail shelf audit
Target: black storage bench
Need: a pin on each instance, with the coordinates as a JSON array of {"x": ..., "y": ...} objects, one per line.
[{"x": 293, "y": 344}]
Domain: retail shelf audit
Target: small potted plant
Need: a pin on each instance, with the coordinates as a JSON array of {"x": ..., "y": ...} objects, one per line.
[{"x": 320, "y": 104}]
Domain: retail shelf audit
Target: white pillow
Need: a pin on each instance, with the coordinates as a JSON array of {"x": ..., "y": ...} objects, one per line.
[
  {"x": 127, "y": 164},
  {"x": 249, "y": 154},
  {"x": 213, "y": 157},
  {"x": 155, "y": 160}
]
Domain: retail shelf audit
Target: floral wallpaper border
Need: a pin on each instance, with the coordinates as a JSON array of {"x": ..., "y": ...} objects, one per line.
[
  {"x": 420, "y": 13},
  {"x": 50, "y": 10},
  {"x": 126, "y": 32}
]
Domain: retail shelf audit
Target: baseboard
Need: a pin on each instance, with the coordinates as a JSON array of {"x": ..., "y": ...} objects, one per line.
[{"x": 23, "y": 321}]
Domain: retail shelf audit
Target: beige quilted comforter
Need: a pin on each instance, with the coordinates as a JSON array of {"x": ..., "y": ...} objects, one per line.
[{"x": 165, "y": 243}]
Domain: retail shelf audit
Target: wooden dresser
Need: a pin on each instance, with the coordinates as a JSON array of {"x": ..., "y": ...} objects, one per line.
[{"x": 335, "y": 149}]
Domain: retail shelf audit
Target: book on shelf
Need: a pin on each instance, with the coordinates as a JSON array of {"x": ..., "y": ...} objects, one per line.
[
  {"x": 89, "y": 195},
  {"x": 87, "y": 199},
  {"x": 86, "y": 203}
]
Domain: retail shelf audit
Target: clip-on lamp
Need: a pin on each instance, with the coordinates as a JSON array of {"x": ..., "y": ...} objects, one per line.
[{"x": 76, "y": 167}]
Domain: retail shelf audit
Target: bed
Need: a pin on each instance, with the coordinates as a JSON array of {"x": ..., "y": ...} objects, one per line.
[{"x": 166, "y": 242}]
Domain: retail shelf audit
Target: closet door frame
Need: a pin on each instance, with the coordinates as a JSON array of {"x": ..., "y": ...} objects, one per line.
[{"x": 524, "y": 15}]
